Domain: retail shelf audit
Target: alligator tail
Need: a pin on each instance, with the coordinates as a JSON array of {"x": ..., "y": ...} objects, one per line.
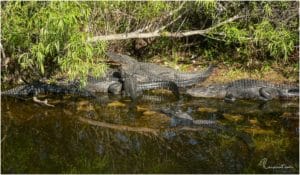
[
  {"x": 198, "y": 78},
  {"x": 23, "y": 90},
  {"x": 160, "y": 84}
]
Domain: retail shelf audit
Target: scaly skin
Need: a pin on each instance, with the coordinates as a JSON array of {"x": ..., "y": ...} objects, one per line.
[
  {"x": 247, "y": 89},
  {"x": 43, "y": 88},
  {"x": 145, "y": 72},
  {"x": 133, "y": 89}
]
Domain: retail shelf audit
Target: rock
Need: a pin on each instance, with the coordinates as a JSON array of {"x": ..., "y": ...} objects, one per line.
[
  {"x": 290, "y": 116},
  {"x": 85, "y": 106},
  {"x": 253, "y": 121},
  {"x": 116, "y": 104},
  {"x": 211, "y": 110},
  {"x": 233, "y": 118},
  {"x": 141, "y": 109},
  {"x": 147, "y": 113},
  {"x": 259, "y": 131}
]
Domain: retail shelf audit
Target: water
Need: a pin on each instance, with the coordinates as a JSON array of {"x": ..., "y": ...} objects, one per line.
[{"x": 82, "y": 136}]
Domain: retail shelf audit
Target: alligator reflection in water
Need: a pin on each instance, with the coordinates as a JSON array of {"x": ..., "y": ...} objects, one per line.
[{"x": 80, "y": 136}]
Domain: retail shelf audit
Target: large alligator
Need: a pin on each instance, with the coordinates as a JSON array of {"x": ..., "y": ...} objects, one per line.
[
  {"x": 247, "y": 89},
  {"x": 145, "y": 72},
  {"x": 159, "y": 76},
  {"x": 116, "y": 81}
]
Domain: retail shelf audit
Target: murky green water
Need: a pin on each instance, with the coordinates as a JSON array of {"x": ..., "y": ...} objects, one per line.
[{"x": 81, "y": 136}]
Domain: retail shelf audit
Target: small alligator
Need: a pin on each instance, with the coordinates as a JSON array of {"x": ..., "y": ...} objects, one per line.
[
  {"x": 45, "y": 88},
  {"x": 246, "y": 89},
  {"x": 145, "y": 72}
]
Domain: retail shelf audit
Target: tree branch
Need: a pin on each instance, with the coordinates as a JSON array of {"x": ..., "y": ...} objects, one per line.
[{"x": 135, "y": 35}]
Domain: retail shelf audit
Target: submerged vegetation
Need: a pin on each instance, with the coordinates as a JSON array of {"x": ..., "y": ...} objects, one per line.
[{"x": 43, "y": 39}]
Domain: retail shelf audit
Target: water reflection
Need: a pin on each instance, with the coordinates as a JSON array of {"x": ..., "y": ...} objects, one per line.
[{"x": 83, "y": 136}]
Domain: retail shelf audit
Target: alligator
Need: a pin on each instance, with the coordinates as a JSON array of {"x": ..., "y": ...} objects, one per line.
[
  {"x": 45, "y": 88},
  {"x": 246, "y": 89},
  {"x": 130, "y": 87},
  {"x": 145, "y": 72},
  {"x": 161, "y": 77}
]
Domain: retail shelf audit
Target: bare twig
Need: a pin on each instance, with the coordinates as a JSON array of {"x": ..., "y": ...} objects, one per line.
[
  {"x": 161, "y": 19},
  {"x": 167, "y": 25},
  {"x": 183, "y": 21},
  {"x": 3, "y": 138},
  {"x": 45, "y": 102}
]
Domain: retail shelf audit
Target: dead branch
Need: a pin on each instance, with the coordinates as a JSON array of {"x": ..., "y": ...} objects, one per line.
[
  {"x": 135, "y": 35},
  {"x": 45, "y": 102}
]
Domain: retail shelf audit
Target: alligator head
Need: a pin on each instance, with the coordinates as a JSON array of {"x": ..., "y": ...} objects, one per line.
[{"x": 289, "y": 93}]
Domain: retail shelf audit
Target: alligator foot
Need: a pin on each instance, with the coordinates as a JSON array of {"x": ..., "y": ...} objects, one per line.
[{"x": 45, "y": 102}]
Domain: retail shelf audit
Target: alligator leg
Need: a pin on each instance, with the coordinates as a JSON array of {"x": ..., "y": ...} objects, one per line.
[
  {"x": 229, "y": 98},
  {"x": 160, "y": 84},
  {"x": 131, "y": 88},
  {"x": 115, "y": 88},
  {"x": 265, "y": 93}
]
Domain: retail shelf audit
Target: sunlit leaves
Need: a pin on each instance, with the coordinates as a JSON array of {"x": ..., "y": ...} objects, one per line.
[
  {"x": 40, "y": 35},
  {"x": 279, "y": 42},
  {"x": 235, "y": 34}
]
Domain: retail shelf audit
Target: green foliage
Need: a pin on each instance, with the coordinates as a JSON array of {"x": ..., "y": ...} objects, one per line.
[
  {"x": 209, "y": 6},
  {"x": 278, "y": 42},
  {"x": 235, "y": 34},
  {"x": 261, "y": 34},
  {"x": 48, "y": 36}
]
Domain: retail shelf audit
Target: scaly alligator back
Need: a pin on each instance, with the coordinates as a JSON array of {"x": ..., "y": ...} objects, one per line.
[
  {"x": 247, "y": 89},
  {"x": 249, "y": 83},
  {"x": 159, "y": 84},
  {"x": 37, "y": 88}
]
